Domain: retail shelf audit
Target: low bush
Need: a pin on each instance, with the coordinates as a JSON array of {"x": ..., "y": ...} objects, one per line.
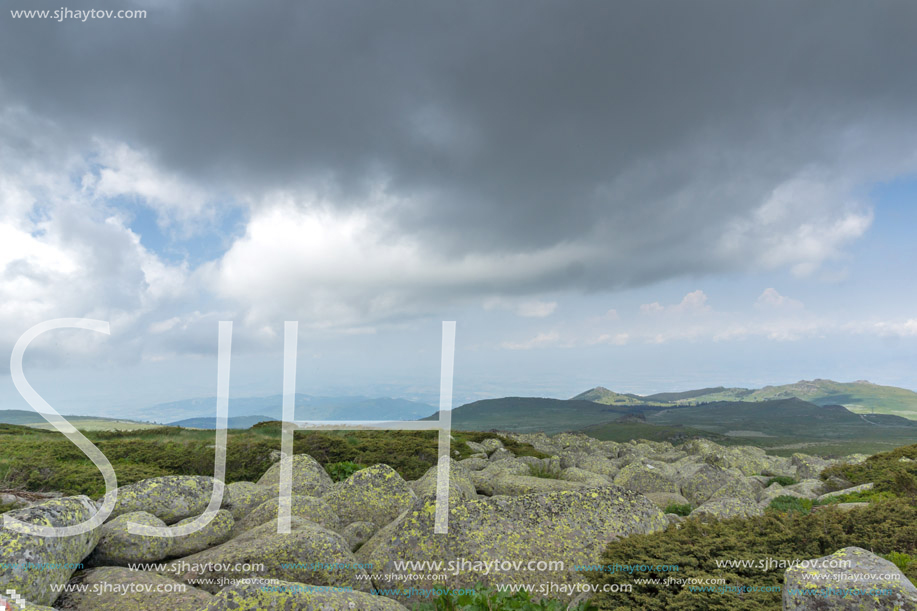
[
  {"x": 783, "y": 480},
  {"x": 680, "y": 509},
  {"x": 339, "y": 471},
  {"x": 790, "y": 504},
  {"x": 696, "y": 546}
]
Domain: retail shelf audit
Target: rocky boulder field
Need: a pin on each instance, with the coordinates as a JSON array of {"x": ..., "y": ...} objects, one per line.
[{"x": 354, "y": 536}]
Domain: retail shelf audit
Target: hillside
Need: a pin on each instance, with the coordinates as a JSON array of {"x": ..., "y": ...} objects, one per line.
[
  {"x": 530, "y": 414},
  {"x": 32, "y": 419},
  {"x": 860, "y": 397}
]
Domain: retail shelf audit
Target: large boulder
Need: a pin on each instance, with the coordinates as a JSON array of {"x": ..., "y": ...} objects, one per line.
[
  {"x": 217, "y": 531},
  {"x": 808, "y": 467},
  {"x": 121, "y": 589},
  {"x": 514, "y": 485},
  {"x": 706, "y": 479},
  {"x": 644, "y": 479},
  {"x": 288, "y": 596},
  {"x": 59, "y": 556},
  {"x": 309, "y": 554},
  {"x": 570, "y": 526},
  {"x": 308, "y": 507},
  {"x": 461, "y": 486},
  {"x": 597, "y": 464},
  {"x": 241, "y": 497},
  {"x": 358, "y": 533},
  {"x": 809, "y": 488},
  {"x": 376, "y": 494},
  {"x": 744, "y": 488},
  {"x": 664, "y": 499},
  {"x": 118, "y": 547},
  {"x": 581, "y": 476},
  {"x": 720, "y": 509},
  {"x": 309, "y": 477},
  {"x": 849, "y": 579},
  {"x": 170, "y": 498},
  {"x": 851, "y": 490}
]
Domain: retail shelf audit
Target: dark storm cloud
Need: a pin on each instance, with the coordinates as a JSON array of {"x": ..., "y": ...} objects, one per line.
[{"x": 645, "y": 128}]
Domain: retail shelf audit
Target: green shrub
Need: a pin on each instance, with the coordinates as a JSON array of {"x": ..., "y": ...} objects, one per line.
[
  {"x": 544, "y": 471},
  {"x": 899, "y": 560},
  {"x": 695, "y": 546},
  {"x": 487, "y": 599},
  {"x": 339, "y": 471},
  {"x": 788, "y": 504},
  {"x": 866, "y": 496},
  {"x": 894, "y": 471},
  {"x": 681, "y": 509},
  {"x": 783, "y": 480}
]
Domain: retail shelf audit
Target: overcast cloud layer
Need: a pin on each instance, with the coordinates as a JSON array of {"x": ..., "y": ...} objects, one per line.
[{"x": 383, "y": 160}]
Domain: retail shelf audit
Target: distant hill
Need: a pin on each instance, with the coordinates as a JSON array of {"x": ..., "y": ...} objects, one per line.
[
  {"x": 602, "y": 395},
  {"x": 307, "y": 407},
  {"x": 236, "y": 422},
  {"x": 859, "y": 397},
  {"x": 33, "y": 419}
]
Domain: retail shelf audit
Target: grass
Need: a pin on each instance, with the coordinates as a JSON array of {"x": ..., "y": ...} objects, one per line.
[
  {"x": 36, "y": 460},
  {"x": 545, "y": 471}
]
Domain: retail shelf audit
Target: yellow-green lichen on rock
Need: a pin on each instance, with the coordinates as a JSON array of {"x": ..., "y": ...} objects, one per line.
[
  {"x": 309, "y": 477},
  {"x": 308, "y": 507},
  {"x": 217, "y": 531},
  {"x": 121, "y": 589},
  {"x": 376, "y": 494},
  {"x": 461, "y": 486},
  {"x": 241, "y": 497},
  {"x": 571, "y": 526},
  {"x": 118, "y": 547},
  {"x": 309, "y": 554},
  {"x": 288, "y": 596},
  {"x": 59, "y": 553},
  {"x": 852, "y": 587},
  {"x": 170, "y": 498},
  {"x": 644, "y": 478}
]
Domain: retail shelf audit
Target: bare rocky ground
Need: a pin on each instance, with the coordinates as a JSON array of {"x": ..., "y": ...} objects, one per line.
[{"x": 354, "y": 534}]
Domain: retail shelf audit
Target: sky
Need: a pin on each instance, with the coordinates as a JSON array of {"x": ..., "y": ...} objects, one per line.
[{"x": 648, "y": 196}]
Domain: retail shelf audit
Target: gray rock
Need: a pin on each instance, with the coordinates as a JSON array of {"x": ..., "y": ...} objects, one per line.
[
  {"x": 707, "y": 479},
  {"x": 358, "y": 533},
  {"x": 723, "y": 508},
  {"x": 866, "y": 572},
  {"x": 121, "y": 589},
  {"x": 664, "y": 499},
  {"x": 644, "y": 479},
  {"x": 242, "y": 497},
  {"x": 571, "y": 526},
  {"x": 491, "y": 445},
  {"x": 217, "y": 531},
  {"x": 309, "y": 477},
  {"x": 118, "y": 547},
  {"x": 808, "y": 467},
  {"x": 170, "y": 498},
  {"x": 289, "y": 596},
  {"x": 461, "y": 485},
  {"x": 376, "y": 494},
  {"x": 64, "y": 553},
  {"x": 851, "y": 490},
  {"x": 307, "y": 507}
]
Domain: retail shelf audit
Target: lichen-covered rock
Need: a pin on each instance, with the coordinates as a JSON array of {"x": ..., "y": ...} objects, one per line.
[
  {"x": 723, "y": 508},
  {"x": 61, "y": 553},
  {"x": 358, "y": 533},
  {"x": 738, "y": 489},
  {"x": 118, "y": 547},
  {"x": 849, "y": 579},
  {"x": 309, "y": 477},
  {"x": 664, "y": 499},
  {"x": 706, "y": 480},
  {"x": 484, "y": 479},
  {"x": 241, "y": 497},
  {"x": 217, "y": 531},
  {"x": 461, "y": 486},
  {"x": 808, "y": 467},
  {"x": 851, "y": 490},
  {"x": 474, "y": 463},
  {"x": 597, "y": 464},
  {"x": 170, "y": 498},
  {"x": 289, "y": 596},
  {"x": 308, "y": 507},
  {"x": 308, "y": 554},
  {"x": 491, "y": 445},
  {"x": 810, "y": 488},
  {"x": 581, "y": 476},
  {"x": 571, "y": 526},
  {"x": 376, "y": 494},
  {"x": 121, "y": 589},
  {"x": 644, "y": 478},
  {"x": 501, "y": 454},
  {"x": 773, "y": 491},
  {"x": 475, "y": 447},
  {"x": 515, "y": 485}
]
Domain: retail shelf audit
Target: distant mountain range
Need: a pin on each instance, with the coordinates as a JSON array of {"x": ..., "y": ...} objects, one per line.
[{"x": 249, "y": 411}]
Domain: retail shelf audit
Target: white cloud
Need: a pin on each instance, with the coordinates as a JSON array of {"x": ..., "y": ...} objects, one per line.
[
  {"x": 541, "y": 340},
  {"x": 525, "y": 308},
  {"x": 770, "y": 298},
  {"x": 694, "y": 302}
]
